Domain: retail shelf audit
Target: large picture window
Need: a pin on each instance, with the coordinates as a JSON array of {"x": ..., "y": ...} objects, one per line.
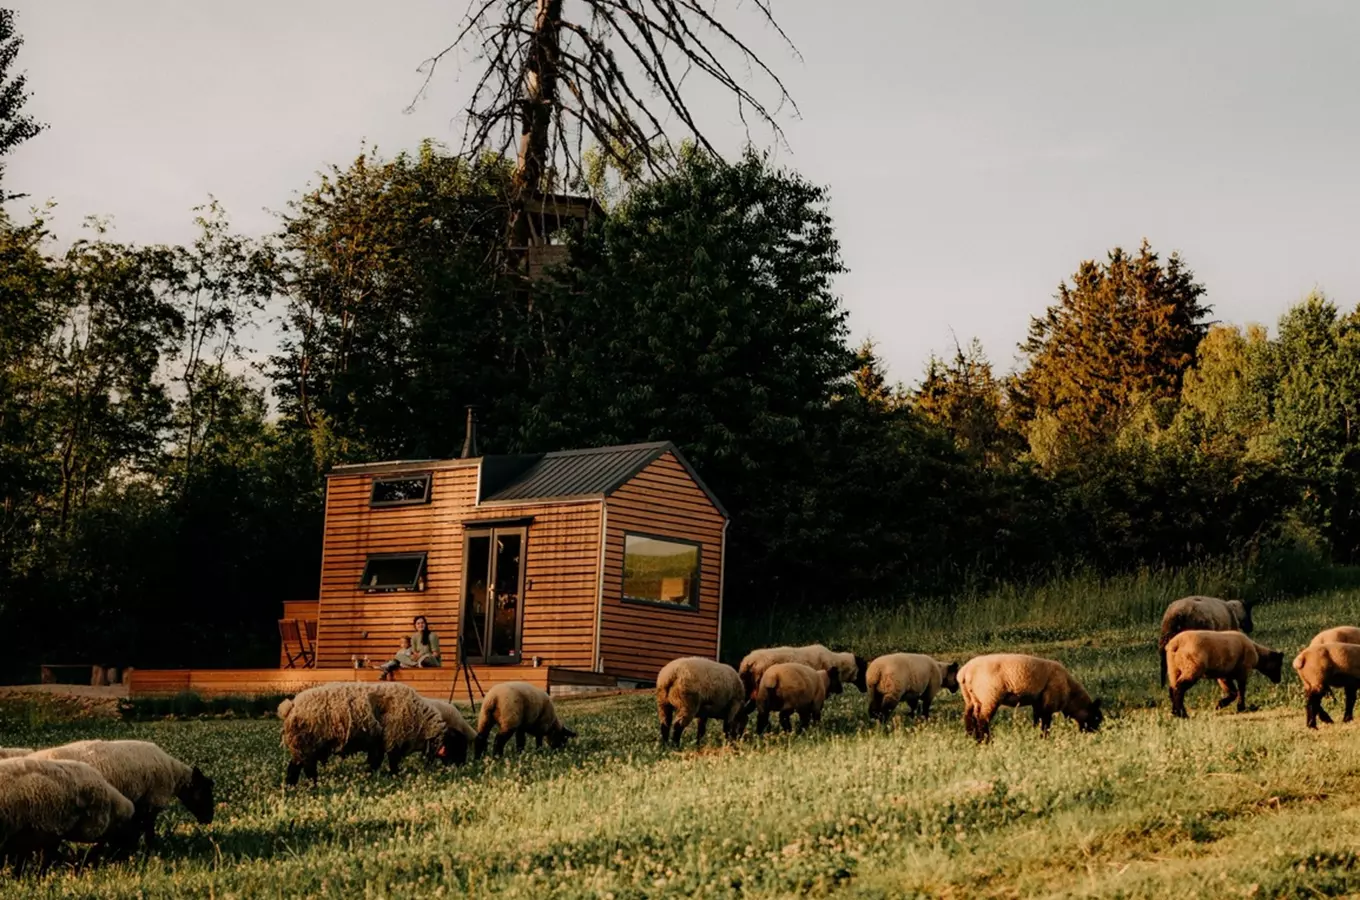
[
  {"x": 660, "y": 571},
  {"x": 394, "y": 572},
  {"x": 400, "y": 490}
]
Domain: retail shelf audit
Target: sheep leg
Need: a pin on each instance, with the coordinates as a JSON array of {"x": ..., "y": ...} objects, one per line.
[
  {"x": 913, "y": 703},
  {"x": 375, "y": 758},
  {"x": 1229, "y": 692},
  {"x": 1350, "y": 704},
  {"x": 786, "y": 721},
  {"x": 666, "y": 713},
  {"x": 925, "y": 707},
  {"x": 502, "y": 739},
  {"x": 521, "y": 738},
  {"x": 762, "y": 721},
  {"x": 1242, "y": 693},
  {"x": 294, "y": 772},
  {"x": 681, "y": 723},
  {"x": 703, "y": 726},
  {"x": 982, "y": 727},
  {"x": 1313, "y": 709},
  {"x": 149, "y": 827},
  {"x": 309, "y": 767},
  {"x": 969, "y": 720},
  {"x": 876, "y": 706},
  {"x": 1178, "y": 702},
  {"x": 394, "y": 761},
  {"x": 538, "y": 740},
  {"x": 888, "y": 708},
  {"x": 479, "y": 745}
]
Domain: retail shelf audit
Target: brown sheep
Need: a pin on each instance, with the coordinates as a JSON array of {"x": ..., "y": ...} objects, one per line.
[
  {"x": 694, "y": 687},
  {"x": 519, "y": 709},
  {"x": 1014, "y": 679},
  {"x": 1225, "y": 655},
  {"x": 850, "y": 668},
  {"x": 1322, "y": 667},
  {"x": 911, "y": 678},
  {"x": 1342, "y": 634},
  {"x": 1202, "y": 614},
  {"x": 788, "y": 688}
]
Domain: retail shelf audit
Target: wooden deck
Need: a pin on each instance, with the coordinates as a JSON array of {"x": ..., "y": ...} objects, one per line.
[{"x": 429, "y": 682}]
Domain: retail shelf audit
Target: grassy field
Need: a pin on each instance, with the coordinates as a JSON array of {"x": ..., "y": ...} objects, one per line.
[{"x": 1221, "y": 805}]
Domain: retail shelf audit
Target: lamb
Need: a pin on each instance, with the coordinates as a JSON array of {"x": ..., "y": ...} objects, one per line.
[
  {"x": 458, "y": 734},
  {"x": 788, "y": 688},
  {"x": 849, "y": 667},
  {"x": 385, "y": 719},
  {"x": 911, "y": 677},
  {"x": 1342, "y": 634},
  {"x": 1322, "y": 667},
  {"x": 1014, "y": 679},
  {"x": 1225, "y": 655},
  {"x": 14, "y": 752},
  {"x": 697, "y": 688},
  {"x": 519, "y": 709},
  {"x": 1202, "y": 613},
  {"x": 46, "y": 801},
  {"x": 144, "y": 773}
]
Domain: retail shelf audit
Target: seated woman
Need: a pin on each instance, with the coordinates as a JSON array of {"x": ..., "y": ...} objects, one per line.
[{"x": 421, "y": 650}]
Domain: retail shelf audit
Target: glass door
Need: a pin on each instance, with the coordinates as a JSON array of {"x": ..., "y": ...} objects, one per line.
[{"x": 493, "y": 573}]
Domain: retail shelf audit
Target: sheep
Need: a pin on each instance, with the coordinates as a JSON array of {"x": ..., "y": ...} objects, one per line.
[
  {"x": 14, "y": 752},
  {"x": 385, "y": 719},
  {"x": 849, "y": 667},
  {"x": 1342, "y": 634},
  {"x": 519, "y": 709},
  {"x": 1014, "y": 679},
  {"x": 1322, "y": 667},
  {"x": 1202, "y": 613},
  {"x": 697, "y": 688},
  {"x": 46, "y": 801},
  {"x": 788, "y": 688},
  {"x": 458, "y": 734},
  {"x": 1225, "y": 655},
  {"x": 911, "y": 677},
  {"x": 148, "y": 776}
]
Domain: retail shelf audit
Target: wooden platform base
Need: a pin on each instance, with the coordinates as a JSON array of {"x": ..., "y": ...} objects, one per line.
[{"x": 430, "y": 682}]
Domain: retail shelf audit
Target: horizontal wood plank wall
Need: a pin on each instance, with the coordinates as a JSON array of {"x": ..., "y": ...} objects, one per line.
[
  {"x": 247, "y": 682},
  {"x": 636, "y": 641}
]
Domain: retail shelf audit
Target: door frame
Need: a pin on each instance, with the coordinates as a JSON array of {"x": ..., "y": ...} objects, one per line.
[{"x": 492, "y": 531}]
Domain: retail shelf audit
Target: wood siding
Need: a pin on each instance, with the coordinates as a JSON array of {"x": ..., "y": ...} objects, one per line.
[
  {"x": 637, "y": 640},
  {"x": 254, "y": 682}
]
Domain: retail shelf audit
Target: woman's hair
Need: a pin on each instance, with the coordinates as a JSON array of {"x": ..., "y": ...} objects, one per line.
[{"x": 422, "y": 619}]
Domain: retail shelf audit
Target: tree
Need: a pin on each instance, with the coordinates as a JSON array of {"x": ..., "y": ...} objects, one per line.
[
  {"x": 15, "y": 125},
  {"x": 1226, "y": 397},
  {"x": 967, "y": 401}
]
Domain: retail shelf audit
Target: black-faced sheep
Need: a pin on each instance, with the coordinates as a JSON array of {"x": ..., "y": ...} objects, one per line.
[
  {"x": 46, "y": 801},
  {"x": 458, "y": 734},
  {"x": 1014, "y": 679},
  {"x": 519, "y": 709},
  {"x": 1202, "y": 614},
  {"x": 697, "y": 688},
  {"x": 910, "y": 678},
  {"x": 1342, "y": 634},
  {"x": 1322, "y": 667},
  {"x": 788, "y": 688},
  {"x": 144, "y": 773},
  {"x": 1227, "y": 656},
  {"x": 850, "y": 669}
]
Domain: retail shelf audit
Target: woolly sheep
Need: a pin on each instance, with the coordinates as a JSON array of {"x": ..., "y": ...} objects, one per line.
[
  {"x": 15, "y": 752},
  {"x": 788, "y": 688},
  {"x": 850, "y": 668},
  {"x": 144, "y": 773},
  {"x": 458, "y": 734},
  {"x": 342, "y": 718},
  {"x": 46, "y": 801},
  {"x": 519, "y": 709},
  {"x": 1014, "y": 679},
  {"x": 1202, "y": 614},
  {"x": 913, "y": 678},
  {"x": 697, "y": 688},
  {"x": 1322, "y": 667},
  {"x": 1342, "y": 634},
  {"x": 1225, "y": 655}
]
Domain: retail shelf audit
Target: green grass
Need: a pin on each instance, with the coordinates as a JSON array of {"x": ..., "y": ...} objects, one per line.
[{"x": 1222, "y": 805}]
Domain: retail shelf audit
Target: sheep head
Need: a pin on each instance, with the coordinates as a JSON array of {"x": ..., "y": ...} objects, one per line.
[{"x": 197, "y": 796}]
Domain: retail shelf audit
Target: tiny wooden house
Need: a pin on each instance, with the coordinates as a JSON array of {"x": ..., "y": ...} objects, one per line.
[{"x": 606, "y": 561}]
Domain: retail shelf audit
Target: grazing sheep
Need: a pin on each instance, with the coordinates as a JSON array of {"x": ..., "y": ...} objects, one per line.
[
  {"x": 15, "y": 752},
  {"x": 1202, "y": 614},
  {"x": 1322, "y": 667},
  {"x": 458, "y": 734},
  {"x": 788, "y": 688},
  {"x": 46, "y": 801},
  {"x": 519, "y": 709},
  {"x": 913, "y": 678},
  {"x": 1342, "y": 634},
  {"x": 1225, "y": 655},
  {"x": 1014, "y": 679},
  {"x": 850, "y": 668},
  {"x": 698, "y": 688},
  {"x": 144, "y": 773}
]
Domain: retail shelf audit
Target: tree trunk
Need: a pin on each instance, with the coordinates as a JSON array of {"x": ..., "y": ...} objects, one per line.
[{"x": 537, "y": 102}]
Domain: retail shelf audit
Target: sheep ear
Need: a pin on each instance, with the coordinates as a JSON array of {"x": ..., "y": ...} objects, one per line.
[{"x": 1095, "y": 704}]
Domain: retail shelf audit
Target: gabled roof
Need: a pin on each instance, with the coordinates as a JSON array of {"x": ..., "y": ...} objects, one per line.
[{"x": 596, "y": 472}]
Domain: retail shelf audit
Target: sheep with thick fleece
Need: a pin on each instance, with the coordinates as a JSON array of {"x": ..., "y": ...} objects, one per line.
[
  {"x": 46, "y": 801},
  {"x": 1014, "y": 679},
  {"x": 694, "y": 687},
  {"x": 850, "y": 669},
  {"x": 144, "y": 773},
  {"x": 1201, "y": 614},
  {"x": 1224, "y": 655},
  {"x": 15, "y": 752},
  {"x": 788, "y": 688},
  {"x": 911, "y": 678},
  {"x": 519, "y": 709},
  {"x": 458, "y": 734},
  {"x": 1322, "y": 667},
  {"x": 1342, "y": 634}
]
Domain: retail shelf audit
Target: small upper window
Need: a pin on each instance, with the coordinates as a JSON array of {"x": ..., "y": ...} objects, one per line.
[
  {"x": 394, "y": 572},
  {"x": 660, "y": 570},
  {"x": 400, "y": 490}
]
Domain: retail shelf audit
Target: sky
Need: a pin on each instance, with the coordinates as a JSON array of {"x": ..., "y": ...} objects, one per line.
[{"x": 974, "y": 153}]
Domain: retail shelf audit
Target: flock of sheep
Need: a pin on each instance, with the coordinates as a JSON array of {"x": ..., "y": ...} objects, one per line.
[{"x": 109, "y": 793}]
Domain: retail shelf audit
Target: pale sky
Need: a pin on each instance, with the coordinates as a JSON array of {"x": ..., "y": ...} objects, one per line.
[{"x": 975, "y": 152}]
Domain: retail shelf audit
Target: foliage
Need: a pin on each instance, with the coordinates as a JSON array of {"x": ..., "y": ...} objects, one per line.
[{"x": 16, "y": 126}]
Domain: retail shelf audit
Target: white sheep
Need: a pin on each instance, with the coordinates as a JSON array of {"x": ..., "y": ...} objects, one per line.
[
  {"x": 458, "y": 734},
  {"x": 144, "y": 773},
  {"x": 694, "y": 687},
  {"x": 911, "y": 678},
  {"x": 519, "y": 709},
  {"x": 1322, "y": 667},
  {"x": 45, "y": 801},
  {"x": 788, "y": 688},
  {"x": 849, "y": 667},
  {"x": 1015, "y": 679}
]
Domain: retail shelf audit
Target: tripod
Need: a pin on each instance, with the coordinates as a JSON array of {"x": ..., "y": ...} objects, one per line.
[{"x": 469, "y": 676}]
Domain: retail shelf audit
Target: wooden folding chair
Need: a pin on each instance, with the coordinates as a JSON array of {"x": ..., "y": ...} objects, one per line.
[
  {"x": 309, "y": 632},
  {"x": 293, "y": 648}
]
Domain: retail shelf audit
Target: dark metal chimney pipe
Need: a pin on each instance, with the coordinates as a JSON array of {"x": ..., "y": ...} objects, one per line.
[{"x": 470, "y": 434}]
